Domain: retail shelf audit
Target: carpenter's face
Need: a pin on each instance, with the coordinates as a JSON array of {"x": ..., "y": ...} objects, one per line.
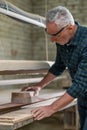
[{"x": 57, "y": 34}]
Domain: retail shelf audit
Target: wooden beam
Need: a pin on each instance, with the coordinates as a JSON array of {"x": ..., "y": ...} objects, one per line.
[
  {"x": 23, "y": 66},
  {"x": 21, "y": 117},
  {"x": 12, "y": 106},
  {"x": 20, "y": 81}
]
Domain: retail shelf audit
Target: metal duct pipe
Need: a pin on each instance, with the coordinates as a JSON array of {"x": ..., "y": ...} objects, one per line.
[{"x": 12, "y": 11}]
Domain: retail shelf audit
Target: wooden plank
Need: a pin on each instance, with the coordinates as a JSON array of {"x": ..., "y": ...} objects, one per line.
[
  {"x": 12, "y": 72},
  {"x": 12, "y": 106},
  {"x": 21, "y": 117},
  {"x": 23, "y": 66},
  {"x": 12, "y": 121},
  {"x": 15, "y": 119},
  {"x": 26, "y": 80},
  {"x": 20, "y": 81}
]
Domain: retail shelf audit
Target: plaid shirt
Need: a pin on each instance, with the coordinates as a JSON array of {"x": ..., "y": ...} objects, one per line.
[{"x": 74, "y": 56}]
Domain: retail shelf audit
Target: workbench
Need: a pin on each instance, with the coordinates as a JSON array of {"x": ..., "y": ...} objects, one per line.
[{"x": 17, "y": 118}]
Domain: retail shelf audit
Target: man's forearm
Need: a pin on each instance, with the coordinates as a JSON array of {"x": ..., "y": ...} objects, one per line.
[
  {"x": 61, "y": 102},
  {"x": 46, "y": 80}
]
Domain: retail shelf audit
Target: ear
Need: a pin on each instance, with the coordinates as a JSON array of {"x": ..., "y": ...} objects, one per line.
[{"x": 70, "y": 27}]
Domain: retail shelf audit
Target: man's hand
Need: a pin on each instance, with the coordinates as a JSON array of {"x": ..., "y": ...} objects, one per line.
[
  {"x": 42, "y": 112},
  {"x": 46, "y": 111},
  {"x": 36, "y": 89}
]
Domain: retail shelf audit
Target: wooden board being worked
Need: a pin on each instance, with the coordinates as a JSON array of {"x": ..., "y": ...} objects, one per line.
[
  {"x": 15, "y": 120},
  {"x": 22, "y": 117},
  {"x": 19, "y": 118},
  {"x": 11, "y": 106}
]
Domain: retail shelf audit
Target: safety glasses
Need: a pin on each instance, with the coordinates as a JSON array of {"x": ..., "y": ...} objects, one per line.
[{"x": 56, "y": 34}]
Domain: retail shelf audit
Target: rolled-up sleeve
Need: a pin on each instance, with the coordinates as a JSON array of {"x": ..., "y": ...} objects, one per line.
[
  {"x": 58, "y": 67},
  {"x": 79, "y": 85}
]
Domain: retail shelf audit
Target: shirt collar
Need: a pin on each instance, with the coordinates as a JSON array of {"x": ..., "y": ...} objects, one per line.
[{"x": 75, "y": 40}]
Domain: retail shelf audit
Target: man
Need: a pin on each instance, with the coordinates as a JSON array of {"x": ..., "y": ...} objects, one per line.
[{"x": 71, "y": 43}]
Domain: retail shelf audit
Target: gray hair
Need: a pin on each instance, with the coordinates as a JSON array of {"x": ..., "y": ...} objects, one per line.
[{"x": 60, "y": 16}]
